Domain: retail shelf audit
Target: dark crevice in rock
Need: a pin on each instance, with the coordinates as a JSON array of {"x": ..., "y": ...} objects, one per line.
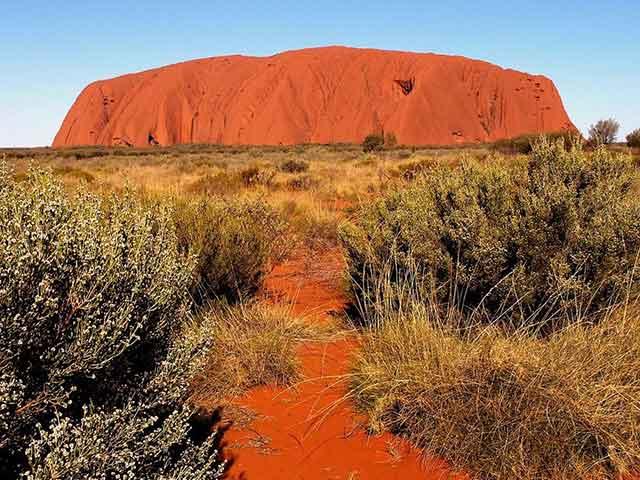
[
  {"x": 407, "y": 86},
  {"x": 151, "y": 140}
]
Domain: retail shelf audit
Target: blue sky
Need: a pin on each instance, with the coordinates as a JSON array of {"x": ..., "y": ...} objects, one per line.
[{"x": 49, "y": 50}]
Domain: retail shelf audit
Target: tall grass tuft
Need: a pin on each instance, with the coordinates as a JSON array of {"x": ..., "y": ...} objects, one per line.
[
  {"x": 251, "y": 345},
  {"x": 503, "y": 406}
]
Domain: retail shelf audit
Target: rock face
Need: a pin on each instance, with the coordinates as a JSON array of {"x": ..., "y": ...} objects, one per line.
[{"x": 320, "y": 95}]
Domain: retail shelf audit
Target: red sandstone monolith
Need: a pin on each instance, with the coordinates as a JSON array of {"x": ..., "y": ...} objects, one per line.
[{"x": 319, "y": 95}]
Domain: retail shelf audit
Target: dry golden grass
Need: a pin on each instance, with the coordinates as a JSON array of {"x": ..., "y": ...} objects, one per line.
[
  {"x": 313, "y": 198},
  {"x": 508, "y": 406},
  {"x": 251, "y": 345}
]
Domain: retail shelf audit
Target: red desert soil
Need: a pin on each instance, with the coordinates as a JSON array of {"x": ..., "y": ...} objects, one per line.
[
  {"x": 319, "y": 95},
  {"x": 309, "y": 432}
]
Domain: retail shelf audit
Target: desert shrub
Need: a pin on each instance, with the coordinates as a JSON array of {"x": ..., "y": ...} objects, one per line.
[
  {"x": 523, "y": 144},
  {"x": 234, "y": 242},
  {"x": 294, "y": 166},
  {"x": 320, "y": 227},
  {"x": 412, "y": 170},
  {"x": 313, "y": 224},
  {"x": 516, "y": 145},
  {"x": 255, "y": 176},
  {"x": 124, "y": 443},
  {"x": 303, "y": 182},
  {"x": 604, "y": 132},
  {"x": 519, "y": 240},
  {"x": 390, "y": 140},
  {"x": 92, "y": 292},
  {"x": 503, "y": 407},
  {"x": 633, "y": 139},
  {"x": 373, "y": 143}
]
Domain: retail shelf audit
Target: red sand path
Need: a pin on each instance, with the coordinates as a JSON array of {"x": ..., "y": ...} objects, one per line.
[
  {"x": 317, "y": 95},
  {"x": 309, "y": 432}
]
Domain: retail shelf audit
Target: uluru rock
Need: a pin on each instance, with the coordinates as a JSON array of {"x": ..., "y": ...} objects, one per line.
[{"x": 319, "y": 95}]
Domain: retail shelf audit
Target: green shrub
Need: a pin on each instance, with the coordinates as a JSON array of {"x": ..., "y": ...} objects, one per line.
[
  {"x": 373, "y": 143},
  {"x": 523, "y": 144},
  {"x": 294, "y": 166},
  {"x": 92, "y": 292},
  {"x": 503, "y": 407},
  {"x": 518, "y": 240},
  {"x": 234, "y": 241},
  {"x": 633, "y": 139}
]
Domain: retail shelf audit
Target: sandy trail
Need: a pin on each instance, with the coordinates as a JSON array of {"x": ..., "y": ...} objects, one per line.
[{"x": 309, "y": 432}]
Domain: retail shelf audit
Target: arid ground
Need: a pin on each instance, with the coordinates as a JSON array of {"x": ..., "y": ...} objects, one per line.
[{"x": 345, "y": 313}]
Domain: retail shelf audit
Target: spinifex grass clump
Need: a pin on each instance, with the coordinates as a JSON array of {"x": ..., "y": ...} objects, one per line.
[
  {"x": 526, "y": 241},
  {"x": 94, "y": 369},
  {"x": 503, "y": 406},
  {"x": 251, "y": 345}
]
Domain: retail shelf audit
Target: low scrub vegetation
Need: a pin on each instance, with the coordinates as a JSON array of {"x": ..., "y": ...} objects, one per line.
[
  {"x": 254, "y": 176},
  {"x": 294, "y": 166},
  {"x": 94, "y": 367},
  {"x": 523, "y": 144},
  {"x": 633, "y": 139},
  {"x": 495, "y": 296},
  {"x": 303, "y": 182},
  {"x": 234, "y": 243},
  {"x": 499, "y": 306},
  {"x": 604, "y": 132},
  {"x": 252, "y": 345},
  {"x": 529, "y": 242},
  {"x": 503, "y": 406},
  {"x": 316, "y": 226},
  {"x": 377, "y": 141},
  {"x": 373, "y": 143}
]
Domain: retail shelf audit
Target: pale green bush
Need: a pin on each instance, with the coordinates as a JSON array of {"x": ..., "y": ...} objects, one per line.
[
  {"x": 92, "y": 293},
  {"x": 126, "y": 443},
  {"x": 555, "y": 234}
]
